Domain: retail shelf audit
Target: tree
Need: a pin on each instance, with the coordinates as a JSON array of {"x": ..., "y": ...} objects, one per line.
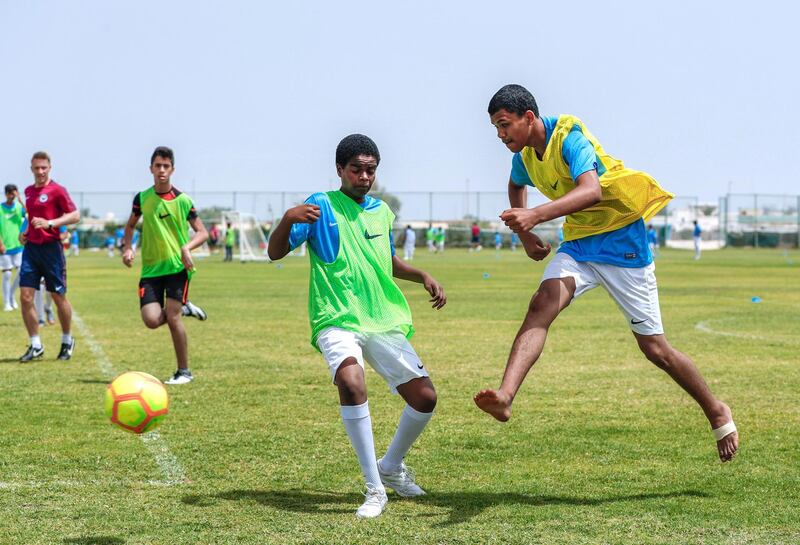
[{"x": 392, "y": 201}]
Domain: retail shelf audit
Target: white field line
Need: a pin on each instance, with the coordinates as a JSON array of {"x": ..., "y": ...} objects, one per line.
[
  {"x": 705, "y": 328},
  {"x": 169, "y": 465}
]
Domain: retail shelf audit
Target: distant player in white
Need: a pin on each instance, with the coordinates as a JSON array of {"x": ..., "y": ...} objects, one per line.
[
  {"x": 697, "y": 239},
  {"x": 409, "y": 244}
]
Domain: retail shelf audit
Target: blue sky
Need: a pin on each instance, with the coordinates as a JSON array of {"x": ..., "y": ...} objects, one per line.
[{"x": 256, "y": 95}]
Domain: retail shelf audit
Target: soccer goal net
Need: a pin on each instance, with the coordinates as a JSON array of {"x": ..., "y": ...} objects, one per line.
[{"x": 250, "y": 239}]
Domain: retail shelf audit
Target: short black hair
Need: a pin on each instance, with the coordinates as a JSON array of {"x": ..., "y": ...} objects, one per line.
[
  {"x": 10, "y": 188},
  {"x": 165, "y": 153},
  {"x": 355, "y": 145},
  {"x": 515, "y": 99}
]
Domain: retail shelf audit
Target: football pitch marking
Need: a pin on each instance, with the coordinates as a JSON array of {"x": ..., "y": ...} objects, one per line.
[
  {"x": 169, "y": 465},
  {"x": 705, "y": 328}
]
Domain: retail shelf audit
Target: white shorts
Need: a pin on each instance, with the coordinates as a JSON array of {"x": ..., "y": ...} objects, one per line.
[
  {"x": 389, "y": 354},
  {"x": 633, "y": 290},
  {"x": 8, "y": 262}
]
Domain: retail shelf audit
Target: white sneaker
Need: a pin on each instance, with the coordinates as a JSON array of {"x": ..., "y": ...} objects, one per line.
[
  {"x": 373, "y": 504},
  {"x": 401, "y": 481},
  {"x": 14, "y": 304},
  {"x": 180, "y": 377},
  {"x": 8, "y": 308}
]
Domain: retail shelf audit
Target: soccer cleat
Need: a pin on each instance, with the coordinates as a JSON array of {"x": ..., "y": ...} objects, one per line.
[
  {"x": 33, "y": 353},
  {"x": 181, "y": 376},
  {"x": 190, "y": 309},
  {"x": 66, "y": 350},
  {"x": 8, "y": 308},
  {"x": 374, "y": 502},
  {"x": 401, "y": 481}
]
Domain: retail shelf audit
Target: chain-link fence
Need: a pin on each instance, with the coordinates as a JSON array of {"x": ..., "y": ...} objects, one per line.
[{"x": 734, "y": 220}]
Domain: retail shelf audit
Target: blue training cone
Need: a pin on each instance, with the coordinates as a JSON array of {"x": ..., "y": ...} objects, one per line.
[{"x": 755, "y": 300}]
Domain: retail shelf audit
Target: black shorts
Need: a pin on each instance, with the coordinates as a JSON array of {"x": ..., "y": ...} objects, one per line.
[{"x": 175, "y": 286}]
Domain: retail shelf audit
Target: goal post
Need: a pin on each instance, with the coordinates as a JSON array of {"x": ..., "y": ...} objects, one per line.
[{"x": 250, "y": 239}]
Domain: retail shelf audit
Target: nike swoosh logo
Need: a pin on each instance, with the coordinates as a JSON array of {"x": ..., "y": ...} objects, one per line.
[
  {"x": 634, "y": 322},
  {"x": 164, "y": 216},
  {"x": 369, "y": 237},
  {"x": 332, "y": 225},
  {"x": 420, "y": 366},
  {"x": 554, "y": 185}
]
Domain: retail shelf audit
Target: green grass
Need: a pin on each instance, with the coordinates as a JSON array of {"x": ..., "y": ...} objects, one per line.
[{"x": 603, "y": 447}]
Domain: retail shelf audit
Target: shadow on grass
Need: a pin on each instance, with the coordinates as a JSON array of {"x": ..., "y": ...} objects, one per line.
[
  {"x": 92, "y": 381},
  {"x": 462, "y": 506},
  {"x": 9, "y": 360},
  {"x": 94, "y": 540}
]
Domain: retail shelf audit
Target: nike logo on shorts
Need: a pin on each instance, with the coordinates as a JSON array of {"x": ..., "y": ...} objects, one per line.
[
  {"x": 554, "y": 185},
  {"x": 634, "y": 322},
  {"x": 370, "y": 237},
  {"x": 164, "y": 216},
  {"x": 420, "y": 365}
]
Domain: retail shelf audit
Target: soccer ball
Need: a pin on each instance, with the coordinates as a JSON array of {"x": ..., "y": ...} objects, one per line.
[{"x": 136, "y": 402}]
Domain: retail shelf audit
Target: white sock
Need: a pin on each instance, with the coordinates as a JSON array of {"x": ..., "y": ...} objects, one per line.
[
  {"x": 36, "y": 341},
  {"x": 358, "y": 425},
  {"x": 66, "y": 338},
  {"x": 7, "y": 289},
  {"x": 38, "y": 302},
  {"x": 412, "y": 422}
]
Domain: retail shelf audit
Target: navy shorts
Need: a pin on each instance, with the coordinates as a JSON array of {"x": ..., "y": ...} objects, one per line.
[{"x": 44, "y": 261}]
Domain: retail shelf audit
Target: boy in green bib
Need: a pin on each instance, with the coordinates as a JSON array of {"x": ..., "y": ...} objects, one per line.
[
  {"x": 358, "y": 313},
  {"x": 167, "y": 264}
]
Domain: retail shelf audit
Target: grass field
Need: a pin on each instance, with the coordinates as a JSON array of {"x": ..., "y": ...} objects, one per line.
[{"x": 602, "y": 448}]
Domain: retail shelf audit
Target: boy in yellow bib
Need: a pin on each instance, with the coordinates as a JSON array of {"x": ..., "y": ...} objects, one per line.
[{"x": 605, "y": 244}]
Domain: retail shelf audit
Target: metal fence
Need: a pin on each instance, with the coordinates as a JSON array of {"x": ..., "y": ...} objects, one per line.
[{"x": 759, "y": 220}]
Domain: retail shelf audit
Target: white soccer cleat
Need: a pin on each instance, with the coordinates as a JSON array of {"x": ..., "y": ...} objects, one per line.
[
  {"x": 8, "y": 308},
  {"x": 401, "y": 481},
  {"x": 180, "y": 377},
  {"x": 373, "y": 504}
]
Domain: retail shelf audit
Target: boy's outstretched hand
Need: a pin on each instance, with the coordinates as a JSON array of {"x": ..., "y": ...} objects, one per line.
[{"x": 438, "y": 298}]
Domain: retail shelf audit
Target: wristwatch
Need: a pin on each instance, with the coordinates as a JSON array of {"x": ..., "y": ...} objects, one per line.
[{"x": 50, "y": 224}]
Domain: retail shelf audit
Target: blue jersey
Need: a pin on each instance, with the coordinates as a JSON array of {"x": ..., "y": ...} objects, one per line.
[
  {"x": 625, "y": 247},
  {"x": 323, "y": 234},
  {"x": 697, "y": 230},
  {"x": 652, "y": 236},
  {"x": 498, "y": 238}
]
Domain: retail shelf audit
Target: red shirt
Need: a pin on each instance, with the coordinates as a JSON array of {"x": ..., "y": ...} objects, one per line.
[
  {"x": 51, "y": 201},
  {"x": 476, "y": 230}
]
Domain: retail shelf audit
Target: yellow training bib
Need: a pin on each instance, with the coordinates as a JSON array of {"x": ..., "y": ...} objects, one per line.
[{"x": 627, "y": 194}]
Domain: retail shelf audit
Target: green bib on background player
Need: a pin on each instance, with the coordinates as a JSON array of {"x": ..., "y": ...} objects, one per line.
[
  {"x": 11, "y": 225},
  {"x": 357, "y": 291},
  {"x": 164, "y": 233}
]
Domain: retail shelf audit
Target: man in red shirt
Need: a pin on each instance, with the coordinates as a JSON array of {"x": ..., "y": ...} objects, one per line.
[{"x": 49, "y": 207}]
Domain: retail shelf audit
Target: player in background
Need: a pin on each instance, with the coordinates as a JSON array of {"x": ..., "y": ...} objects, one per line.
[
  {"x": 350, "y": 238},
  {"x": 12, "y": 221},
  {"x": 475, "y": 245},
  {"x": 167, "y": 263},
  {"x": 652, "y": 240},
  {"x": 440, "y": 240},
  {"x": 75, "y": 241},
  {"x": 696, "y": 236},
  {"x": 498, "y": 240},
  {"x": 409, "y": 242},
  {"x": 49, "y": 207},
  {"x": 430, "y": 236},
  {"x": 604, "y": 245},
  {"x": 213, "y": 238},
  {"x": 230, "y": 240},
  {"x": 514, "y": 241}
]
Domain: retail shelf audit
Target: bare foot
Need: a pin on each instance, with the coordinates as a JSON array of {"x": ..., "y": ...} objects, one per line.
[
  {"x": 494, "y": 402},
  {"x": 728, "y": 445}
]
